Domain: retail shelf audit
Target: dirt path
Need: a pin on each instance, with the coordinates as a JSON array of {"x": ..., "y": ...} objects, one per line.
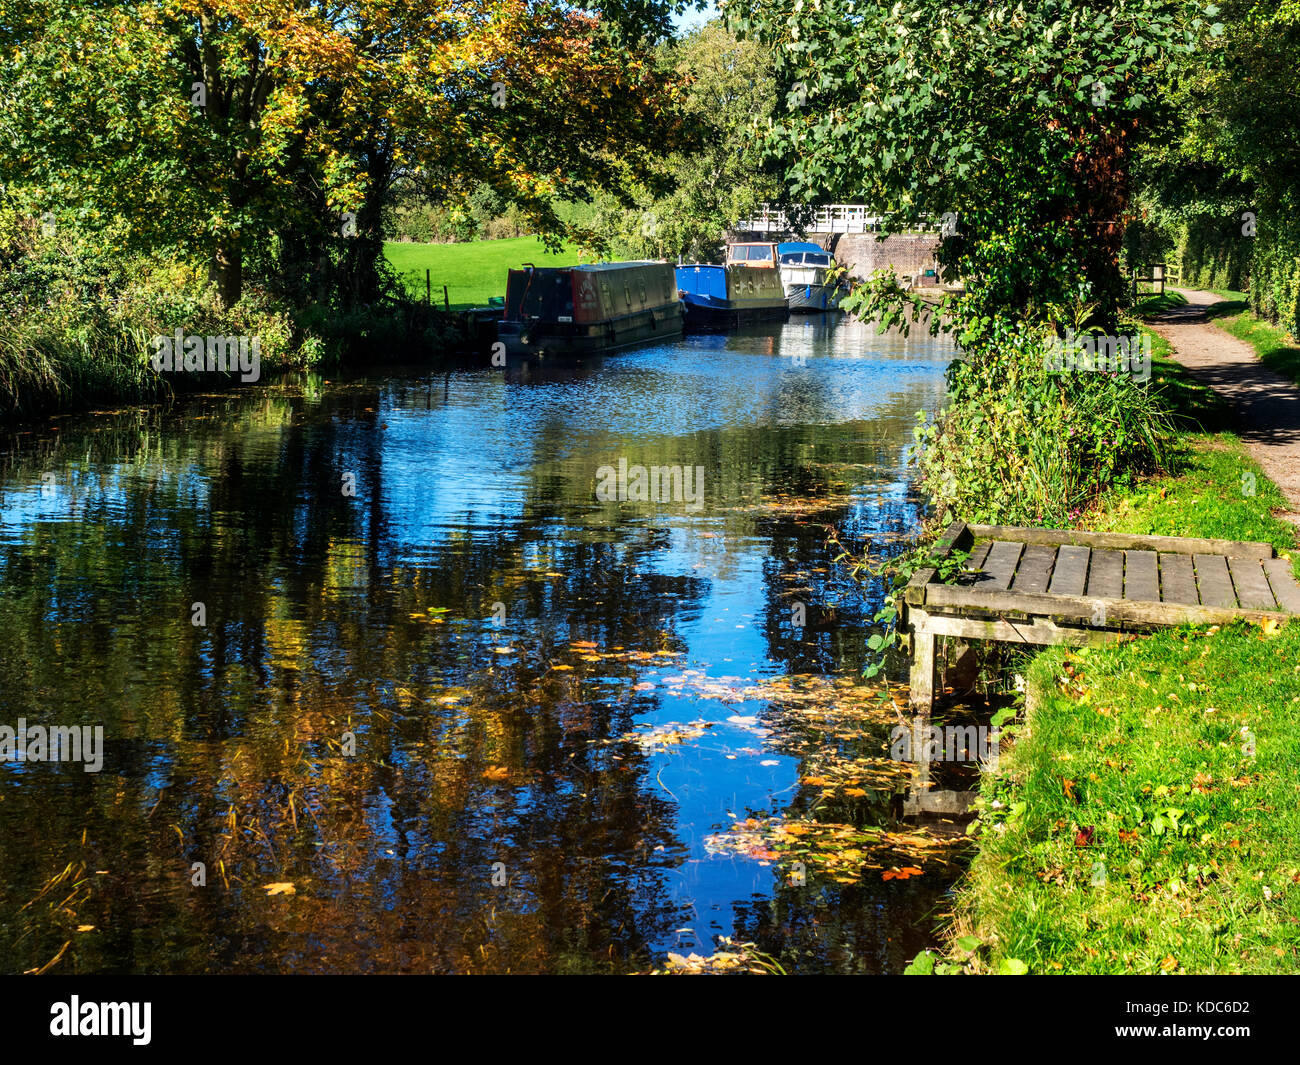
[{"x": 1266, "y": 405}]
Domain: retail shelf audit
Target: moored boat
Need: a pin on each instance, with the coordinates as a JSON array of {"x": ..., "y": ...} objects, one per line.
[
  {"x": 582, "y": 310},
  {"x": 805, "y": 269},
  {"x": 747, "y": 288}
]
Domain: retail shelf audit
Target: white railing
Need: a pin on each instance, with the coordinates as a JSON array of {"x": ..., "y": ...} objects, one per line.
[{"x": 833, "y": 218}]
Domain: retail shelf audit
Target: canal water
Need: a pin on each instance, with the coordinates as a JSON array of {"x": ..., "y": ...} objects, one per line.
[{"x": 479, "y": 671}]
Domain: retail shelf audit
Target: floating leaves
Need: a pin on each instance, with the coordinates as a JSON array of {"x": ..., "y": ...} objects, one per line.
[
  {"x": 839, "y": 852},
  {"x": 662, "y": 736}
]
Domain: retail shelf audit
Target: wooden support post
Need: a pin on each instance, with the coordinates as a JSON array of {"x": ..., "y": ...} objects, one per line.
[
  {"x": 922, "y": 699},
  {"x": 428, "y": 289},
  {"x": 922, "y": 679},
  {"x": 446, "y": 300}
]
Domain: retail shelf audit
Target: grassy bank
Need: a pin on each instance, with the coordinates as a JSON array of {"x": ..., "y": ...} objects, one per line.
[
  {"x": 1144, "y": 814},
  {"x": 1145, "y": 818},
  {"x": 472, "y": 271}
]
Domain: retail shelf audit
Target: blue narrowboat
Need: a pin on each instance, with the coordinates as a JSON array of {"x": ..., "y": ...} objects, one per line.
[{"x": 747, "y": 288}]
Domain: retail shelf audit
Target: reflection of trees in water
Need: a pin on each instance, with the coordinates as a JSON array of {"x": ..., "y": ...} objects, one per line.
[
  {"x": 856, "y": 928},
  {"x": 236, "y": 726},
  {"x": 224, "y": 740}
]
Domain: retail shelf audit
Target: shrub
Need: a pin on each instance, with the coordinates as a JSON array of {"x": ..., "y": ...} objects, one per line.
[{"x": 1018, "y": 444}]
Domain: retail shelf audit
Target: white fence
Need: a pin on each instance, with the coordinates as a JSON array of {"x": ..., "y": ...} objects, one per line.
[{"x": 833, "y": 218}]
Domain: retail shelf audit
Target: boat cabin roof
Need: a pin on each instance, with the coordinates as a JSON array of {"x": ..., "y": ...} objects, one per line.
[
  {"x": 752, "y": 253},
  {"x": 597, "y": 267}
]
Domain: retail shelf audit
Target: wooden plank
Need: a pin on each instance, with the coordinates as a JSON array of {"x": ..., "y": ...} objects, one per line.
[
  {"x": 922, "y": 677},
  {"x": 975, "y": 563},
  {"x": 1213, "y": 581},
  {"x": 1000, "y": 566},
  {"x": 956, "y": 535},
  {"x": 1141, "y": 576},
  {"x": 1036, "y": 630},
  {"x": 1124, "y": 541},
  {"x": 1116, "y": 611},
  {"x": 1035, "y": 569},
  {"x": 1106, "y": 574},
  {"x": 1252, "y": 586},
  {"x": 977, "y": 556},
  {"x": 1177, "y": 579},
  {"x": 1070, "y": 574},
  {"x": 1285, "y": 588}
]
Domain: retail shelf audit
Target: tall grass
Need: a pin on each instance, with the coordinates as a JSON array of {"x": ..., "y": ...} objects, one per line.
[
  {"x": 1019, "y": 444},
  {"x": 43, "y": 368}
]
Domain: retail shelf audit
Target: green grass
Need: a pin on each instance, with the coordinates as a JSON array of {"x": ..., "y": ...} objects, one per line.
[
  {"x": 1275, "y": 347},
  {"x": 1148, "y": 306},
  {"x": 471, "y": 271},
  {"x": 1212, "y": 488},
  {"x": 1189, "y": 858}
]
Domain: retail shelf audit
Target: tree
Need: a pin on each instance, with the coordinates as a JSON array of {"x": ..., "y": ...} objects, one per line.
[
  {"x": 717, "y": 177},
  {"x": 237, "y": 126},
  {"x": 1014, "y": 124},
  {"x": 1232, "y": 147}
]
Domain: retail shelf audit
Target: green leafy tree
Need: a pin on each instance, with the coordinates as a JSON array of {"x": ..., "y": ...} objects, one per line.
[
  {"x": 1012, "y": 125},
  {"x": 693, "y": 195}
]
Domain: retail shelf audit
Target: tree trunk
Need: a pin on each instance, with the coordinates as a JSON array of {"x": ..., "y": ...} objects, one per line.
[{"x": 227, "y": 270}]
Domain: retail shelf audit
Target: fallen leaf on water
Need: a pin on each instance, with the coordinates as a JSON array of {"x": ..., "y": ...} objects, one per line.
[
  {"x": 285, "y": 888},
  {"x": 496, "y": 772}
]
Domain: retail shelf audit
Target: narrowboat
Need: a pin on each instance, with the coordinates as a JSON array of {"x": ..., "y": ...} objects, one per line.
[
  {"x": 747, "y": 288},
  {"x": 581, "y": 310},
  {"x": 804, "y": 271}
]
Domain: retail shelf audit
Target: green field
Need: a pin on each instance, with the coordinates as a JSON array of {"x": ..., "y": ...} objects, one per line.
[{"x": 472, "y": 271}]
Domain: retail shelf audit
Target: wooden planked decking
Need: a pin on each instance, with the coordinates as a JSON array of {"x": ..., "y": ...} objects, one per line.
[{"x": 1063, "y": 586}]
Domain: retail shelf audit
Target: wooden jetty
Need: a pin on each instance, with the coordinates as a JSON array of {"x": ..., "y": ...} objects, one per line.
[
  {"x": 1047, "y": 586},
  {"x": 1062, "y": 586}
]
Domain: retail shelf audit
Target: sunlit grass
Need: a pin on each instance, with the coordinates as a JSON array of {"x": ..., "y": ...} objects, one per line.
[
  {"x": 472, "y": 271},
  {"x": 1148, "y": 819}
]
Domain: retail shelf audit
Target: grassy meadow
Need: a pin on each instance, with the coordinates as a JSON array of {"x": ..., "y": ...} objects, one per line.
[{"x": 472, "y": 271}]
